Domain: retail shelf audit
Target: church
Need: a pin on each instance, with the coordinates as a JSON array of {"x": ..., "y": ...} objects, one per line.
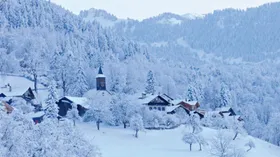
[{"x": 98, "y": 95}]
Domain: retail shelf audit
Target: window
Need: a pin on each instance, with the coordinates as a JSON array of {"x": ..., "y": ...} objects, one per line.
[
  {"x": 155, "y": 108},
  {"x": 163, "y": 108},
  {"x": 159, "y": 108},
  {"x": 150, "y": 108}
]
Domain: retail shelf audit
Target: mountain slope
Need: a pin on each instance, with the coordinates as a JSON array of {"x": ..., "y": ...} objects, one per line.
[{"x": 252, "y": 35}]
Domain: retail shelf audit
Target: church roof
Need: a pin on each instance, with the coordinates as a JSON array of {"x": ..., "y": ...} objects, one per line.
[{"x": 100, "y": 73}]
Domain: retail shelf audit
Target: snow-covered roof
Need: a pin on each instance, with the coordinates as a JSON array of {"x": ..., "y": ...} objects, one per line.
[
  {"x": 171, "y": 108},
  {"x": 36, "y": 114},
  {"x": 177, "y": 101},
  {"x": 19, "y": 85},
  {"x": 226, "y": 114},
  {"x": 223, "y": 108},
  {"x": 166, "y": 97},
  {"x": 191, "y": 102},
  {"x": 79, "y": 100},
  {"x": 144, "y": 100}
]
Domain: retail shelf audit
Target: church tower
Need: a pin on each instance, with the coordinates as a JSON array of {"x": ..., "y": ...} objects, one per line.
[{"x": 100, "y": 80}]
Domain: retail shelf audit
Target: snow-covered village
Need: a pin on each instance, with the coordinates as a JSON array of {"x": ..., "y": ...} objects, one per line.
[{"x": 89, "y": 83}]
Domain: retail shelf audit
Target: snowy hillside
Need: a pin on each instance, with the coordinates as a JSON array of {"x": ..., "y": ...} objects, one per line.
[
  {"x": 101, "y": 16},
  {"x": 253, "y": 32},
  {"x": 119, "y": 142}
]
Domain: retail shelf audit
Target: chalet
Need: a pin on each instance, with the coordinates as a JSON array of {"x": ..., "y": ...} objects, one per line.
[
  {"x": 188, "y": 106},
  {"x": 159, "y": 102},
  {"x": 66, "y": 103}
]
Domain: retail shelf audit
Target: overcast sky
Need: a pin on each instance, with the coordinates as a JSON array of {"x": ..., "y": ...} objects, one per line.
[{"x": 140, "y": 9}]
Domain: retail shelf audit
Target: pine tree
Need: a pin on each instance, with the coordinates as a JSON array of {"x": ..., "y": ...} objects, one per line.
[
  {"x": 80, "y": 85},
  {"x": 150, "y": 87},
  {"x": 52, "y": 109},
  {"x": 224, "y": 97}
]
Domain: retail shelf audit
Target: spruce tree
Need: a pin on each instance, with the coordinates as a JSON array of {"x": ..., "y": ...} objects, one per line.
[
  {"x": 52, "y": 109},
  {"x": 150, "y": 88}
]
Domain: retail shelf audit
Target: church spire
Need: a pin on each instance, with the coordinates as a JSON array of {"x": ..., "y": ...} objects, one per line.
[{"x": 100, "y": 71}]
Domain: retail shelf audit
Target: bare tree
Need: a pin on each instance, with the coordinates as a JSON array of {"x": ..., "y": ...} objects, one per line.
[{"x": 221, "y": 145}]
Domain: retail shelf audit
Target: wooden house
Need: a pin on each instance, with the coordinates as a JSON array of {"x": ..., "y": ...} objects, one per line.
[
  {"x": 158, "y": 102},
  {"x": 66, "y": 103}
]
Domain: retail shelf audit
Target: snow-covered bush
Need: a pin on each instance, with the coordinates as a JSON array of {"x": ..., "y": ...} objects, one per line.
[
  {"x": 170, "y": 121},
  {"x": 22, "y": 105}
]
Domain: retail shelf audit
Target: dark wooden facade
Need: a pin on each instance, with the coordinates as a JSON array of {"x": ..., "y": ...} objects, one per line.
[
  {"x": 28, "y": 95},
  {"x": 37, "y": 120},
  {"x": 65, "y": 104},
  {"x": 230, "y": 111},
  {"x": 2, "y": 95}
]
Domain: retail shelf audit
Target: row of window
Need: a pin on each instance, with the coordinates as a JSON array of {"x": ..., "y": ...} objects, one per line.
[{"x": 157, "y": 108}]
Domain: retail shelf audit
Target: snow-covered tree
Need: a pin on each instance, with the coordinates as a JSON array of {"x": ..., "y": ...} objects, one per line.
[
  {"x": 190, "y": 139},
  {"x": 274, "y": 129},
  {"x": 194, "y": 123},
  {"x": 136, "y": 123},
  {"x": 150, "y": 83},
  {"x": 225, "y": 98},
  {"x": 80, "y": 84},
  {"x": 51, "y": 108},
  {"x": 18, "y": 132},
  {"x": 73, "y": 114},
  {"x": 99, "y": 112},
  {"x": 123, "y": 109},
  {"x": 221, "y": 145},
  {"x": 200, "y": 140},
  {"x": 237, "y": 127},
  {"x": 251, "y": 145}
]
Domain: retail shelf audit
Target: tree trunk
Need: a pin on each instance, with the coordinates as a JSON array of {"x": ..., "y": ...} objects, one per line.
[
  {"x": 124, "y": 125},
  {"x": 136, "y": 133},
  {"x": 63, "y": 84},
  {"x": 74, "y": 122},
  {"x": 35, "y": 82},
  {"x": 97, "y": 124},
  {"x": 190, "y": 147},
  {"x": 249, "y": 149},
  {"x": 235, "y": 136},
  {"x": 200, "y": 147}
]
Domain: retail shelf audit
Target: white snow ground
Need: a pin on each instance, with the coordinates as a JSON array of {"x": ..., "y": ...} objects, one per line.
[{"x": 119, "y": 142}]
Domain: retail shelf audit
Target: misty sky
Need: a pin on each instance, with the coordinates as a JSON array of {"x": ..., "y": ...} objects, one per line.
[{"x": 140, "y": 9}]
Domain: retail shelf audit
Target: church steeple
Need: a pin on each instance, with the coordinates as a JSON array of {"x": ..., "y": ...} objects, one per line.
[
  {"x": 100, "y": 80},
  {"x": 100, "y": 70}
]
